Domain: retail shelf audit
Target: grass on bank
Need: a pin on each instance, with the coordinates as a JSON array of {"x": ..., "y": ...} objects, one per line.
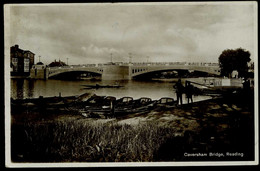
[{"x": 67, "y": 141}]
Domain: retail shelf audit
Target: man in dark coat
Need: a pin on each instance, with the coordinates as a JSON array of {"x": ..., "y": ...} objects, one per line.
[
  {"x": 189, "y": 91},
  {"x": 179, "y": 91}
]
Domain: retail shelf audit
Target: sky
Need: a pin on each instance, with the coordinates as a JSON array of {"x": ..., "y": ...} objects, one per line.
[{"x": 153, "y": 32}]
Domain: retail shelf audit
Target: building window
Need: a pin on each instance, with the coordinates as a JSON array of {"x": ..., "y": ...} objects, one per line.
[
  {"x": 15, "y": 64},
  {"x": 26, "y": 65}
]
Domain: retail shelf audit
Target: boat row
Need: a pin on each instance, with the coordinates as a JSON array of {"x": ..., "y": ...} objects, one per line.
[
  {"x": 109, "y": 106},
  {"x": 93, "y": 105}
]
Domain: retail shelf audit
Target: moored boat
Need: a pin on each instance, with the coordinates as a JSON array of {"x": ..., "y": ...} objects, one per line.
[
  {"x": 97, "y": 86},
  {"x": 55, "y": 102}
]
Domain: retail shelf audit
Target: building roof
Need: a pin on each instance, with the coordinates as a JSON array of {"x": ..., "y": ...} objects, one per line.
[
  {"x": 16, "y": 48},
  {"x": 27, "y": 51},
  {"x": 39, "y": 63}
]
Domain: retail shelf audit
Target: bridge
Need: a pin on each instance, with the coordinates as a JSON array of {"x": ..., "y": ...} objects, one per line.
[{"x": 123, "y": 71}]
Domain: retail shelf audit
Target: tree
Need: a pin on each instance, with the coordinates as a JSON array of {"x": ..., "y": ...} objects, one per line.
[{"x": 231, "y": 60}]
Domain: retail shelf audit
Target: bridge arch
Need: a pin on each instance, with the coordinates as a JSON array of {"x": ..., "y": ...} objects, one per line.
[
  {"x": 58, "y": 71},
  {"x": 138, "y": 71}
]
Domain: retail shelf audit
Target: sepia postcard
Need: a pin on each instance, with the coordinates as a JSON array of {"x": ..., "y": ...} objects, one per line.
[{"x": 131, "y": 84}]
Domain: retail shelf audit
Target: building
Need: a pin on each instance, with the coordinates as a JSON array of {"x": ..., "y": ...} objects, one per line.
[
  {"x": 57, "y": 63},
  {"x": 21, "y": 61}
]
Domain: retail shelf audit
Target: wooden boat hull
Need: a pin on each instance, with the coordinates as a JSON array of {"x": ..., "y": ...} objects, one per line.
[{"x": 101, "y": 86}]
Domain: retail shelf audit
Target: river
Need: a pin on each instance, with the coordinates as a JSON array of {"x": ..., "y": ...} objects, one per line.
[{"x": 26, "y": 88}]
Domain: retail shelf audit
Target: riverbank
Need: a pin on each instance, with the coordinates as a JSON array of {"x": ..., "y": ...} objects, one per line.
[{"x": 177, "y": 134}]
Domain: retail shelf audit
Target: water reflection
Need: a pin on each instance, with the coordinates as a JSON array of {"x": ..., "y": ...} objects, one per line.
[
  {"x": 23, "y": 88},
  {"x": 30, "y": 87}
]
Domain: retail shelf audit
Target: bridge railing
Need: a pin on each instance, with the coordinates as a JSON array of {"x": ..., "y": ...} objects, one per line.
[
  {"x": 142, "y": 64},
  {"x": 74, "y": 66},
  {"x": 175, "y": 63}
]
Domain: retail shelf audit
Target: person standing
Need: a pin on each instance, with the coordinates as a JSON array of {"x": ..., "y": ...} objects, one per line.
[
  {"x": 179, "y": 91},
  {"x": 189, "y": 91}
]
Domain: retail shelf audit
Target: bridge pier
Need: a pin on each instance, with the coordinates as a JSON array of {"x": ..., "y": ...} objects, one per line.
[
  {"x": 39, "y": 72},
  {"x": 116, "y": 72}
]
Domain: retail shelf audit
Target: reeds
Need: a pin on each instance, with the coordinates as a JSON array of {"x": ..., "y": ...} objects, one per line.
[{"x": 82, "y": 141}]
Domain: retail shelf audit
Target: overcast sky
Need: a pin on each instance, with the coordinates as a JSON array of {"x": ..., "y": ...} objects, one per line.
[{"x": 164, "y": 32}]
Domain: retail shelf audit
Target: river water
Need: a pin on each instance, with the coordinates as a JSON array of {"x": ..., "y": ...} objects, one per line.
[{"x": 25, "y": 88}]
